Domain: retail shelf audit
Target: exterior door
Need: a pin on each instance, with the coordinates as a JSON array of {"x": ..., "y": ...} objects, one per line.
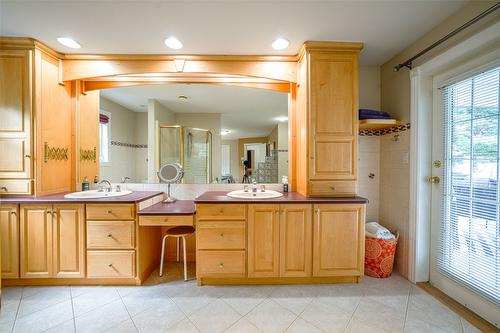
[
  {"x": 9, "y": 241},
  {"x": 465, "y": 229},
  {"x": 338, "y": 240},
  {"x": 295, "y": 240},
  {"x": 36, "y": 241},
  {"x": 263, "y": 240},
  {"x": 69, "y": 245}
]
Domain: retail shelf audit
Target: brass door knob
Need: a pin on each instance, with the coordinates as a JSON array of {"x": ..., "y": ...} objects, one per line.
[{"x": 434, "y": 179}]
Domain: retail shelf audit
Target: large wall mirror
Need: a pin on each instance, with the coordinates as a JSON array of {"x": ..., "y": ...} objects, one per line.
[{"x": 217, "y": 133}]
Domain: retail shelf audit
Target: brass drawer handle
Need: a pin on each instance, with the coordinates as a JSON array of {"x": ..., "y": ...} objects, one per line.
[
  {"x": 221, "y": 234},
  {"x": 110, "y": 235},
  {"x": 3, "y": 188},
  {"x": 109, "y": 211},
  {"x": 13, "y": 213},
  {"x": 110, "y": 265},
  {"x": 221, "y": 265},
  {"x": 332, "y": 188},
  {"x": 221, "y": 211},
  {"x": 165, "y": 220}
]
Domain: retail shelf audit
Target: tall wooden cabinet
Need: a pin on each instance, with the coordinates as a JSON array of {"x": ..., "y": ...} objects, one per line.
[
  {"x": 327, "y": 113},
  {"x": 52, "y": 241},
  {"x": 9, "y": 241}
]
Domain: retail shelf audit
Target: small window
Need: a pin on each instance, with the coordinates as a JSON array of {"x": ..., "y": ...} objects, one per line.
[{"x": 104, "y": 137}]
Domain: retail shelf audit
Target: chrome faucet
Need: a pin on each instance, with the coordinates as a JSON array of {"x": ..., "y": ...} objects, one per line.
[
  {"x": 101, "y": 188},
  {"x": 254, "y": 187}
]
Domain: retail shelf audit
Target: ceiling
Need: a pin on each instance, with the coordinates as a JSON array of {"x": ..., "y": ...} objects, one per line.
[
  {"x": 246, "y": 112},
  {"x": 224, "y": 27}
]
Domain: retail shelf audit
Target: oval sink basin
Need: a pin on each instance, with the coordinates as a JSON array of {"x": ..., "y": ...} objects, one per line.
[
  {"x": 241, "y": 194},
  {"x": 95, "y": 194}
]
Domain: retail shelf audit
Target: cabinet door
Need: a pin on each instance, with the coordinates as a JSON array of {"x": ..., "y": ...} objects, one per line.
[
  {"x": 36, "y": 241},
  {"x": 88, "y": 135},
  {"x": 9, "y": 241},
  {"x": 295, "y": 240},
  {"x": 263, "y": 240},
  {"x": 15, "y": 114},
  {"x": 333, "y": 118},
  {"x": 68, "y": 246},
  {"x": 338, "y": 240}
]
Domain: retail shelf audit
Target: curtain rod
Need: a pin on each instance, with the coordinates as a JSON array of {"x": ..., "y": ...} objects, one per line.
[{"x": 408, "y": 63}]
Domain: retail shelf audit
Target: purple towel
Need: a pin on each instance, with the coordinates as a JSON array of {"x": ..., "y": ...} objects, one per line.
[{"x": 373, "y": 112}]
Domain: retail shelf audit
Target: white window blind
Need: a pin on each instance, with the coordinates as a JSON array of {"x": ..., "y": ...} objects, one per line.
[{"x": 469, "y": 244}]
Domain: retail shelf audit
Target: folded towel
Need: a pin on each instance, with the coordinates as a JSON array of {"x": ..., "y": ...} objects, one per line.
[
  {"x": 363, "y": 116},
  {"x": 375, "y": 230},
  {"x": 373, "y": 112}
]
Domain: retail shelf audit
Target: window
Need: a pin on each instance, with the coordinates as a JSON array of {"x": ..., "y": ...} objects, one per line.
[
  {"x": 104, "y": 137},
  {"x": 469, "y": 245}
]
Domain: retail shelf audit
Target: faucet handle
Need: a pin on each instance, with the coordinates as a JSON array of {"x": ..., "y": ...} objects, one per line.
[
  {"x": 263, "y": 188},
  {"x": 245, "y": 188}
]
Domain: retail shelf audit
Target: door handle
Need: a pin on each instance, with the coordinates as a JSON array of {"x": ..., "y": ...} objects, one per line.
[{"x": 434, "y": 180}]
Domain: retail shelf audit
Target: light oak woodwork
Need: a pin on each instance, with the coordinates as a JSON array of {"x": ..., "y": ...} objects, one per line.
[
  {"x": 295, "y": 240},
  {"x": 263, "y": 240},
  {"x": 278, "y": 280},
  {"x": 73, "y": 281},
  {"x": 69, "y": 241},
  {"x": 338, "y": 240},
  {"x": 166, "y": 220},
  {"x": 9, "y": 241},
  {"x": 224, "y": 235},
  {"x": 221, "y": 264},
  {"x": 148, "y": 250},
  {"x": 110, "y": 264},
  {"x": 221, "y": 211},
  {"x": 110, "y": 235},
  {"x": 332, "y": 188},
  {"x": 36, "y": 250},
  {"x": 87, "y": 134},
  {"x": 15, "y": 186},
  {"x": 15, "y": 115},
  {"x": 110, "y": 211}
]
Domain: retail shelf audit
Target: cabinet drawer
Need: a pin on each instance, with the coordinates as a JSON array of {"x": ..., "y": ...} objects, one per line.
[
  {"x": 221, "y": 263},
  {"x": 166, "y": 220},
  {"x": 110, "y": 234},
  {"x": 227, "y": 235},
  {"x": 332, "y": 188},
  {"x": 110, "y": 264},
  {"x": 221, "y": 211},
  {"x": 110, "y": 212},
  {"x": 15, "y": 186}
]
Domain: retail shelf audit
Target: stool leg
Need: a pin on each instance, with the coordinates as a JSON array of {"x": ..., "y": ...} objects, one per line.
[
  {"x": 178, "y": 252},
  {"x": 162, "y": 254},
  {"x": 185, "y": 259}
]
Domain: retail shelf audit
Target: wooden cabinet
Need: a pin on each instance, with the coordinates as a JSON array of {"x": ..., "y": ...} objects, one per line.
[
  {"x": 327, "y": 105},
  {"x": 263, "y": 240},
  {"x": 295, "y": 240},
  {"x": 15, "y": 121},
  {"x": 338, "y": 240},
  {"x": 51, "y": 241},
  {"x": 88, "y": 134},
  {"x": 9, "y": 241}
]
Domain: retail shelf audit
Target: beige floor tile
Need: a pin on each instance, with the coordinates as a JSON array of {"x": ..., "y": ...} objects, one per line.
[
  {"x": 293, "y": 298},
  {"x": 39, "y": 298},
  {"x": 100, "y": 319},
  {"x": 468, "y": 327},
  {"x": 243, "y": 326},
  {"x": 362, "y": 327},
  {"x": 143, "y": 299},
  {"x": 45, "y": 319},
  {"x": 271, "y": 317},
  {"x": 12, "y": 293},
  {"x": 66, "y": 327},
  {"x": 216, "y": 317},
  {"x": 327, "y": 316},
  {"x": 245, "y": 298},
  {"x": 302, "y": 326},
  {"x": 377, "y": 315},
  {"x": 8, "y": 314},
  {"x": 193, "y": 299},
  {"x": 125, "y": 327},
  {"x": 158, "y": 319},
  {"x": 184, "y": 326},
  {"x": 93, "y": 298},
  {"x": 413, "y": 325}
]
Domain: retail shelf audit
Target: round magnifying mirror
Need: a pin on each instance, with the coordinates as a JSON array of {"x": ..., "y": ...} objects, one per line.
[{"x": 170, "y": 173}]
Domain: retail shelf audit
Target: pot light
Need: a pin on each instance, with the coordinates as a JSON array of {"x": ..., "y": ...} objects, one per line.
[
  {"x": 173, "y": 43},
  {"x": 224, "y": 132},
  {"x": 281, "y": 119},
  {"x": 69, "y": 42},
  {"x": 280, "y": 43}
]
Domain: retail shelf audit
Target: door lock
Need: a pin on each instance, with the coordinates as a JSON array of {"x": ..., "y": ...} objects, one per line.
[{"x": 434, "y": 180}]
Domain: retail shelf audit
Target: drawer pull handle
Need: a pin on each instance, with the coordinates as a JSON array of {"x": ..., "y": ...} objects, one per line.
[
  {"x": 332, "y": 188},
  {"x": 221, "y": 211},
  {"x": 3, "y": 188},
  {"x": 13, "y": 213},
  {"x": 110, "y": 235},
  {"x": 110, "y": 265},
  {"x": 222, "y": 235},
  {"x": 109, "y": 211},
  {"x": 166, "y": 220},
  {"x": 221, "y": 265}
]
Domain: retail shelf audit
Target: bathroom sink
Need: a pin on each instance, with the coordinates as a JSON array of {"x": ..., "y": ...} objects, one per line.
[
  {"x": 95, "y": 194},
  {"x": 241, "y": 194}
]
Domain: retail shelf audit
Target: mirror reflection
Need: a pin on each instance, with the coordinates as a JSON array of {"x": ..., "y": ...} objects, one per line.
[{"x": 216, "y": 133}]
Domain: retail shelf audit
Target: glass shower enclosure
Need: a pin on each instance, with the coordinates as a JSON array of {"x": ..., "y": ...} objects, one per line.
[{"x": 188, "y": 146}]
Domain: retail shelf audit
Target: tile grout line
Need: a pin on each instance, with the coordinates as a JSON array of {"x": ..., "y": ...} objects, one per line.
[
  {"x": 180, "y": 309},
  {"x": 126, "y": 309},
  {"x": 298, "y": 316},
  {"x": 407, "y": 306},
  {"x": 352, "y": 316},
  {"x": 72, "y": 307},
  {"x": 17, "y": 311}
]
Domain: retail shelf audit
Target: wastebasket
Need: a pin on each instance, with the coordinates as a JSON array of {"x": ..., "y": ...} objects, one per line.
[{"x": 379, "y": 256}]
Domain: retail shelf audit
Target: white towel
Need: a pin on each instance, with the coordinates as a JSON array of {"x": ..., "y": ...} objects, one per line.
[{"x": 375, "y": 230}]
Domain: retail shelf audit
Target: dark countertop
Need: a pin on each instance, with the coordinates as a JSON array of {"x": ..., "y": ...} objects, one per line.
[
  {"x": 134, "y": 197},
  {"x": 180, "y": 207},
  {"x": 290, "y": 197}
]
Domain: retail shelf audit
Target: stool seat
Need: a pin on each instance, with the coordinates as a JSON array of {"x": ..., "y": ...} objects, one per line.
[{"x": 180, "y": 231}]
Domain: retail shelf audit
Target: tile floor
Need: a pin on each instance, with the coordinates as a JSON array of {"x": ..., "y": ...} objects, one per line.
[{"x": 171, "y": 305}]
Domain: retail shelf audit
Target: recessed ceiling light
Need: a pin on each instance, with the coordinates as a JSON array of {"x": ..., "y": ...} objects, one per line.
[
  {"x": 281, "y": 119},
  {"x": 280, "y": 43},
  {"x": 173, "y": 43},
  {"x": 224, "y": 132},
  {"x": 69, "y": 42},
  {"x": 183, "y": 97}
]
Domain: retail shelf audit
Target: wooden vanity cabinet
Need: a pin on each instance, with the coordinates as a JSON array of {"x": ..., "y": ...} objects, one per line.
[
  {"x": 51, "y": 241},
  {"x": 338, "y": 240},
  {"x": 9, "y": 241}
]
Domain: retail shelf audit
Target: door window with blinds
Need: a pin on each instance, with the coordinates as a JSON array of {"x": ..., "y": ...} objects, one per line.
[{"x": 469, "y": 244}]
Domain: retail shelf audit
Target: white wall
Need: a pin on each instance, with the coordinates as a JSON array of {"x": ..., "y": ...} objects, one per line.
[
  {"x": 235, "y": 159},
  {"x": 141, "y": 154},
  {"x": 282, "y": 145}
]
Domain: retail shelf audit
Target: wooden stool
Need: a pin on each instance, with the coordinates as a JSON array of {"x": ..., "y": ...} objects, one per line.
[{"x": 177, "y": 232}]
